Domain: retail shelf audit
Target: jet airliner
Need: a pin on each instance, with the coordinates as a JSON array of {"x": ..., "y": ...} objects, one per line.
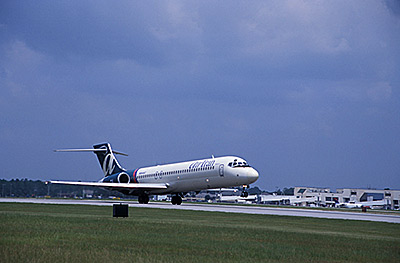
[{"x": 175, "y": 178}]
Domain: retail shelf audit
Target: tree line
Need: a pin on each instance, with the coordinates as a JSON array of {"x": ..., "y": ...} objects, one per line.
[
  {"x": 37, "y": 188},
  {"x": 32, "y": 188}
]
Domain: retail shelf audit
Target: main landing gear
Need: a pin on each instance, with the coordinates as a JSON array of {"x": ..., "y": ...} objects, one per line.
[
  {"x": 176, "y": 199},
  {"x": 143, "y": 199}
]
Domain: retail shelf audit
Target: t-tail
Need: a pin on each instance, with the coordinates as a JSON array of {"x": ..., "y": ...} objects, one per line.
[
  {"x": 105, "y": 154},
  {"x": 108, "y": 162}
]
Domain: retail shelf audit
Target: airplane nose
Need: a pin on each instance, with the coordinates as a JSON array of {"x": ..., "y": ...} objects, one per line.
[{"x": 252, "y": 175}]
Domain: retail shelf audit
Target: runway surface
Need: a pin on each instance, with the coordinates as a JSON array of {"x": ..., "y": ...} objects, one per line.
[{"x": 390, "y": 218}]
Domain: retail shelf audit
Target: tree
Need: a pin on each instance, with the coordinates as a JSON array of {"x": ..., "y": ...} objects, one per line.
[
  {"x": 254, "y": 191},
  {"x": 288, "y": 191}
]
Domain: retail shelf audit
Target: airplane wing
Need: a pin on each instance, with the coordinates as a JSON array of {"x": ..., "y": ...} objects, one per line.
[
  {"x": 116, "y": 186},
  {"x": 222, "y": 190}
]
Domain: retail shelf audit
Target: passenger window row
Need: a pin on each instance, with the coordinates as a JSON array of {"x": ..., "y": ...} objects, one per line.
[{"x": 175, "y": 172}]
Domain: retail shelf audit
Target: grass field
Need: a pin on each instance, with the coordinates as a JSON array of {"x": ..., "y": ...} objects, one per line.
[{"x": 73, "y": 233}]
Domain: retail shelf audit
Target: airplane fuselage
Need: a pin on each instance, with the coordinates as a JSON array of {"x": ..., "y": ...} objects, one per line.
[{"x": 191, "y": 175}]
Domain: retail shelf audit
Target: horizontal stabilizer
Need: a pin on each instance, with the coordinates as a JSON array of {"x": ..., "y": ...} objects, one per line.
[{"x": 89, "y": 150}]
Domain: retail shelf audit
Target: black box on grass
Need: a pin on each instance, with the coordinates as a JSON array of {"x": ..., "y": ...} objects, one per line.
[{"x": 120, "y": 210}]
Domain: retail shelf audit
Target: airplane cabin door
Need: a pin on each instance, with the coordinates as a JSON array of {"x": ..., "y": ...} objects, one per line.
[{"x": 221, "y": 170}]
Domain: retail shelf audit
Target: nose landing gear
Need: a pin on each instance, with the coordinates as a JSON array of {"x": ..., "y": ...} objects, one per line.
[{"x": 244, "y": 193}]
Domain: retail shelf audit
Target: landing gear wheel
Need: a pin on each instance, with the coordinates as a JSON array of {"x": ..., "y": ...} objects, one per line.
[
  {"x": 244, "y": 194},
  {"x": 143, "y": 199},
  {"x": 176, "y": 200},
  {"x": 173, "y": 200},
  {"x": 179, "y": 200}
]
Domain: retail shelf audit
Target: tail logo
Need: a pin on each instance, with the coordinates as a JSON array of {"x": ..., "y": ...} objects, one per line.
[{"x": 108, "y": 164}]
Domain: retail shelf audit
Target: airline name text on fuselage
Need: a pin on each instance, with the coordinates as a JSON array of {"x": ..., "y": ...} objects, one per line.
[
  {"x": 194, "y": 165},
  {"x": 202, "y": 164}
]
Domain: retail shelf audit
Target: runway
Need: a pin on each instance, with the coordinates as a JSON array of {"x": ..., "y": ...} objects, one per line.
[{"x": 390, "y": 218}]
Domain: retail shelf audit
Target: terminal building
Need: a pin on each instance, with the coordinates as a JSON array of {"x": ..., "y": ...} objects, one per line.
[
  {"x": 307, "y": 196},
  {"x": 344, "y": 197}
]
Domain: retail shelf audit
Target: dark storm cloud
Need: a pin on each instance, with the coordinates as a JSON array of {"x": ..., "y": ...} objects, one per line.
[
  {"x": 308, "y": 92},
  {"x": 65, "y": 29},
  {"x": 92, "y": 30}
]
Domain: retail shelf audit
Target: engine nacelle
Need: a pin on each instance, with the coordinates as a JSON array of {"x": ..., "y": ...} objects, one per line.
[{"x": 123, "y": 178}]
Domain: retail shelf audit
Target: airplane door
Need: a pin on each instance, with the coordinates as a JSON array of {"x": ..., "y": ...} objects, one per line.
[{"x": 221, "y": 170}]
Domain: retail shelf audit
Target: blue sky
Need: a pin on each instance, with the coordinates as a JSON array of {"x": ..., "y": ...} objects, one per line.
[{"x": 307, "y": 91}]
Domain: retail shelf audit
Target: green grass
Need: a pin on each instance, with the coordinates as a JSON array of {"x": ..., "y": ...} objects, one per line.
[{"x": 74, "y": 233}]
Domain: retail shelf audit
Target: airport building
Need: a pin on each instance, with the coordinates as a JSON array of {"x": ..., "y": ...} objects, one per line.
[
  {"x": 344, "y": 197},
  {"x": 306, "y": 196},
  {"x": 323, "y": 197},
  {"x": 316, "y": 196},
  {"x": 390, "y": 198}
]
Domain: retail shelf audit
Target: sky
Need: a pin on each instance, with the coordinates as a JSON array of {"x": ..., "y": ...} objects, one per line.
[{"x": 308, "y": 92}]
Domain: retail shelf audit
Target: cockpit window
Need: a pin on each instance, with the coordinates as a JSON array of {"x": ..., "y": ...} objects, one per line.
[{"x": 235, "y": 163}]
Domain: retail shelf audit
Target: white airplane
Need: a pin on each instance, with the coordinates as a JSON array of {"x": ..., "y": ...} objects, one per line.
[
  {"x": 363, "y": 203},
  {"x": 176, "y": 178}
]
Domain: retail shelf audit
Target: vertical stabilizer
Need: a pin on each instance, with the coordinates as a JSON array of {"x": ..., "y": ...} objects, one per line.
[{"x": 108, "y": 162}]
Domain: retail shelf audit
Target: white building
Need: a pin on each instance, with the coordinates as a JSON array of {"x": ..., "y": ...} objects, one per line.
[
  {"x": 346, "y": 197},
  {"x": 385, "y": 199},
  {"x": 322, "y": 196},
  {"x": 389, "y": 198}
]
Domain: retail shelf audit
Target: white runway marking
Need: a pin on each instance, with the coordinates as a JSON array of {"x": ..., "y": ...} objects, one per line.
[{"x": 390, "y": 218}]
